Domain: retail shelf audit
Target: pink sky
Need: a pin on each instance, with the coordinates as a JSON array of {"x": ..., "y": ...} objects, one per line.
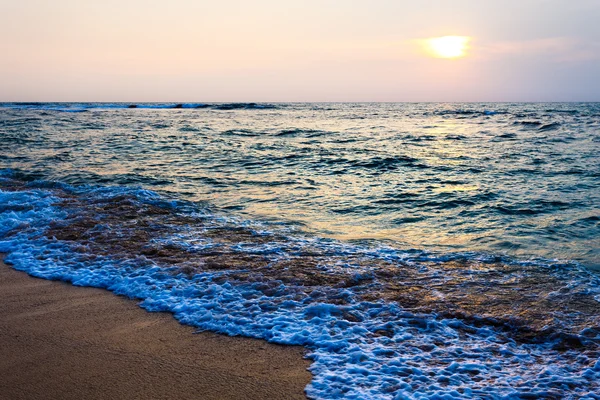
[{"x": 343, "y": 50}]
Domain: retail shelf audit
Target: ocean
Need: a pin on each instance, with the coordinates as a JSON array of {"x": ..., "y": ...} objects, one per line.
[{"x": 418, "y": 250}]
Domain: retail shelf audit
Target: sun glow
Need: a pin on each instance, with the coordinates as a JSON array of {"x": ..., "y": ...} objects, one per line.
[{"x": 448, "y": 46}]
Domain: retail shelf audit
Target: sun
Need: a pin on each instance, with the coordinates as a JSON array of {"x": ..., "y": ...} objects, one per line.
[{"x": 448, "y": 46}]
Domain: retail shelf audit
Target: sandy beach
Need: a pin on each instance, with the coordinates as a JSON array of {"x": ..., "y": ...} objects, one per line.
[{"x": 65, "y": 342}]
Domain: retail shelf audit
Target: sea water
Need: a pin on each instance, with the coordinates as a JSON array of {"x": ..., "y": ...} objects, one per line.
[{"x": 417, "y": 250}]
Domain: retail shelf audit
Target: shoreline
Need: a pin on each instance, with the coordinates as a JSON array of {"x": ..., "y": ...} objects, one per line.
[{"x": 69, "y": 342}]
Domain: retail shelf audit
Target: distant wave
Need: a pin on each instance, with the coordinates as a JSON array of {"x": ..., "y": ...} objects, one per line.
[
  {"x": 238, "y": 106},
  {"x": 465, "y": 113},
  {"x": 528, "y": 123},
  {"x": 549, "y": 127},
  {"x": 301, "y": 132},
  {"x": 81, "y": 107}
]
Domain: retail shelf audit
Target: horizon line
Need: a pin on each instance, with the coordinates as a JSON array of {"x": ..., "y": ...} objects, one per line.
[{"x": 294, "y": 102}]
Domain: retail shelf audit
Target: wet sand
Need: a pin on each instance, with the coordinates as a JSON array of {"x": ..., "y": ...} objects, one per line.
[{"x": 59, "y": 341}]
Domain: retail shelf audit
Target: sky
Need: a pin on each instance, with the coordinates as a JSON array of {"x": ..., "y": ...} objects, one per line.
[{"x": 308, "y": 50}]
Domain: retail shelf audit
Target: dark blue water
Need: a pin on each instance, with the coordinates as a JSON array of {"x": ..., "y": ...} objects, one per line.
[{"x": 418, "y": 251}]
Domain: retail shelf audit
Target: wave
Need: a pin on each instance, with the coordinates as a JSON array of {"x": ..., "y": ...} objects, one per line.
[
  {"x": 82, "y": 107},
  {"x": 292, "y": 132},
  {"x": 237, "y": 106},
  {"x": 240, "y": 132},
  {"x": 465, "y": 113},
  {"x": 528, "y": 124},
  {"x": 549, "y": 127},
  {"x": 380, "y": 322},
  {"x": 532, "y": 208},
  {"x": 506, "y": 136},
  {"x": 386, "y": 163},
  {"x": 301, "y": 132},
  {"x": 562, "y": 111}
]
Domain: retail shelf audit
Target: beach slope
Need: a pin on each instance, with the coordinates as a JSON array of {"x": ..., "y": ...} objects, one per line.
[{"x": 65, "y": 342}]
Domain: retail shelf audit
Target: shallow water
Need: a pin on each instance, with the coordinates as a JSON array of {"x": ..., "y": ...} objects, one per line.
[{"x": 418, "y": 250}]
